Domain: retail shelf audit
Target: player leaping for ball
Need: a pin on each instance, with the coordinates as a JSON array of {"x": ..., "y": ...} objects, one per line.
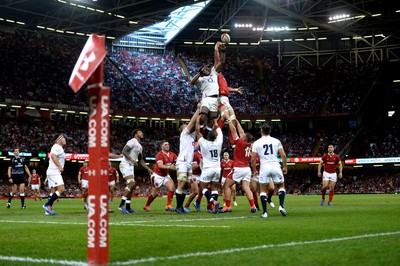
[{"x": 208, "y": 82}]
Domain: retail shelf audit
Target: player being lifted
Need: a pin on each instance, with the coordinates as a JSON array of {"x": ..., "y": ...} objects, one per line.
[{"x": 208, "y": 82}]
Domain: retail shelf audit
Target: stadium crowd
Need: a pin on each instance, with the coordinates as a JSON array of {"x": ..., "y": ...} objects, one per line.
[{"x": 158, "y": 83}]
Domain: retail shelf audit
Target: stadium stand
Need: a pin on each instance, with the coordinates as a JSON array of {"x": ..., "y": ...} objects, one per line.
[{"x": 140, "y": 80}]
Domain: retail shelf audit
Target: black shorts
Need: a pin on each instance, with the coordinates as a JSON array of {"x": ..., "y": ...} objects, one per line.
[{"x": 18, "y": 179}]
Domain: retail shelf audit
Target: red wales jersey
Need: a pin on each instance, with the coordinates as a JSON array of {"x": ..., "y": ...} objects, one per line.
[
  {"x": 196, "y": 160},
  {"x": 167, "y": 159},
  {"x": 227, "y": 167},
  {"x": 84, "y": 173},
  {"x": 112, "y": 174},
  {"x": 223, "y": 85},
  {"x": 35, "y": 179},
  {"x": 242, "y": 153},
  {"x": 330, "y": 162}
]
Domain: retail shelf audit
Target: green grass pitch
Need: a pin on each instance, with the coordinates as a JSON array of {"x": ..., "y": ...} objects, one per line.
[{"x": 357, "y": 230}]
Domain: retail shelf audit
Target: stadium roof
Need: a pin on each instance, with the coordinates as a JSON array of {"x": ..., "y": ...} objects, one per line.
[
  {"x": 74, "y": 18},
  {"x": 294, "y": 19},
  {"x": 269, "y": 19}
]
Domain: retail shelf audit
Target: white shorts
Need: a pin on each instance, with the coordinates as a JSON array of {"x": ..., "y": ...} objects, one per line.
[
  {"x": 35, "y": 187},
  {"x": 211, "y": 103},
  {"x": 241, "y": 174},
  {"x": 183, "y": 167},
  {"x": 158, "y": 180},
  {"x": 111, "y": 183},
  {"x": 210, "y": 175},
  {"x": 271, "y": 172},
  {"x": 225, "y": 100},
  {"x": 127, "y": 169},
  {"x": 332, "y": 177},
  {"x": 54, "y": 180},
  {"x": 85, "y": 183}
]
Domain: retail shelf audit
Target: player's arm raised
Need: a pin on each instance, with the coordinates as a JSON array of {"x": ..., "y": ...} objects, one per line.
[
  {"x": 238, "y": 90},
  {"x": 192, "y": 122},
  {"x": 198, "y": 133},
  {"x": 219, "y": 56},
  {"x": 232, "y": 128}
]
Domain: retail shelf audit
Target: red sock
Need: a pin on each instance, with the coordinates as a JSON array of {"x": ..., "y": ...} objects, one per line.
[
  {"x": 251, "y": 203},
  {"x": 150, "y": 200},
  {"x": 228, "y": 203},
  {"x": 170, "y": 196},
  {"x": 331, "y": 193}
]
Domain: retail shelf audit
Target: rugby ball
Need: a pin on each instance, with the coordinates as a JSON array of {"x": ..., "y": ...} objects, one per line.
[{"x": 225, "y": 38}]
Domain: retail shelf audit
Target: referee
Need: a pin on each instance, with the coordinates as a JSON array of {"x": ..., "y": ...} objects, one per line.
[{"x": 16, "y": 176}]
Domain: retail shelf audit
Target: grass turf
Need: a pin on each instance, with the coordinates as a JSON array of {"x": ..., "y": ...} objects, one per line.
[{"x": 352, "y": 232}]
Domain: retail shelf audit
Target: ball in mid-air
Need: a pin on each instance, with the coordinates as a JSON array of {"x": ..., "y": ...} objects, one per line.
[{"x": 225, "y": 38}]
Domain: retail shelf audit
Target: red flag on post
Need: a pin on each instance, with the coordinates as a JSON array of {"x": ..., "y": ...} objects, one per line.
[{"x": 91, "y": 57}]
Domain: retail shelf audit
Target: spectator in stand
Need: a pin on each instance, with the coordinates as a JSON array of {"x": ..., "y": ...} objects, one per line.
[
  {"x": 83, "y": 180},
  {"x": 113, "y": 178},
  {"x": 16, "y": 176},
  {"x": 165, "y": 161},
  {"x": 268, "y": 148},
  {"x": 56, "y": 167},
  {"x": 329, "y": 177},
  {"x": 34, "y": 181},
  {"x": 132, "y": 155}
]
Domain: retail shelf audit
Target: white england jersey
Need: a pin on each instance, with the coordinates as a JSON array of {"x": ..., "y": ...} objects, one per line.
[
  {"x": 59, "y": 152},
  {"x": 135, "y": 151},
  {"x": 209, "y": 84},
  {"x": 186, "y": 146},
  {"x": 267, "y": 149},
  {"x": 211, "y": 151}
]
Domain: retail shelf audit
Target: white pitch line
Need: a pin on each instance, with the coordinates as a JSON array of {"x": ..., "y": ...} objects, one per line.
[
  {"x": 174, "y": 225},
  {"x": 227, "y": 251},
  {"x": 43, "y": 261},
  {"x": 122, "y": 224},
  {"x": 43, "y": 222},
  {"x": 197, "y": 254}
]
